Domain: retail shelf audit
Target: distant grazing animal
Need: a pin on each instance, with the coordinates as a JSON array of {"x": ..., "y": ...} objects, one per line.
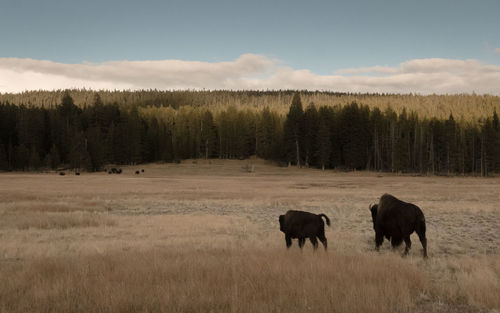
[
  {"x": 142, "y": 170},
  {"x": 110, "y": 172},
  {"x": 302, "y": 225},
  {"x": 77, "y": 173},
  {"x": 119, "y": 171},
  {"x": 136, "y": 172},
  {"x": 114, "y": 170},
  {"x": 396, "y": 220},
  {"x": 62, "y": 173}
]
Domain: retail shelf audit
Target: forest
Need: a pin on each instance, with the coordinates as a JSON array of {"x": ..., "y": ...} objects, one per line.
[{"x": 87, "y": 130}]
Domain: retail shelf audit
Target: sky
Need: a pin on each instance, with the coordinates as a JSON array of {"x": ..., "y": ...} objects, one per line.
[{"x": 400, "y": 46}]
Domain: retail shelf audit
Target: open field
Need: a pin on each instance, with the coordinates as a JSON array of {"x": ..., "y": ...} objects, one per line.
[{"x": 204, "y": 237}]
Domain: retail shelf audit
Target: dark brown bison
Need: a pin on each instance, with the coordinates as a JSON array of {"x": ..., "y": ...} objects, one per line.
[
  {"x": 396, "y": 220},
  {"x": 302, "y": 225},
  {"x": 136, "y": 172}
]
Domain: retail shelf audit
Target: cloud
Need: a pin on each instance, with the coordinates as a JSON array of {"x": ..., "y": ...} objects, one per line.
[
  {"x": 373, "y": 69},
  {"x": 251, "y": 71},
  {"x": 497, "y": 50}
]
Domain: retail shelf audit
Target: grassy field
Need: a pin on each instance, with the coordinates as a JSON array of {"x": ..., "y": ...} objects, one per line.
[{"x": 204, "y": 237}]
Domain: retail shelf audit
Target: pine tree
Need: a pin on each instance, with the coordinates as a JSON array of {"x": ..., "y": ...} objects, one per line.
[
  {"x": 355, "y": 136},
  {"x": 263, "y": 134},
  {"x": 79, "y": 156},
  {"x": 4, "y": 161},
  {"x": 208, "y": 136},
  {"x": 323, "y": 144},
  {"x": 293, "y": 131},
  {"x": 401, "y": 144},
  {"x": 496, "y": 142},
  {"x": 21, "y": 157},
  {"x": 310, "y": 133},
  {"x": 55, "y": 159},
  {"x": 168, "y": 152},
  {"x": 152, "y": 144},
  {"x": 34, "y": 160},
  {"x": 134, "y": 131},
  {"x": 66, "y": 124},
  {"x": 451, "y": 145},
  {"x": 97, "y": 148}
]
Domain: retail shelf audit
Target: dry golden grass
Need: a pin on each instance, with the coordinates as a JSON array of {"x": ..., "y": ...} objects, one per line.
[
  {"x": 212, "y": 280},
  {"x": 27, "y": 220},
  {"x": 204, "y": 237}
]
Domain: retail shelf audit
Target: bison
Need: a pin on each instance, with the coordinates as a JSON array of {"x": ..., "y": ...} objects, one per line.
[
  {"x": 302, "y": 225},
  {"x": 136, "y": 172},
  {"x": 396, "y": 220}
]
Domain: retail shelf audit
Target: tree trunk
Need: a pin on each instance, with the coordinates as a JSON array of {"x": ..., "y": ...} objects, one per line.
[
  {"x": 206, "y": 149},
  {"x": 298, "y": 152},
  {"x": 393, "y": 145},
  {"x": 431, "y": 156}
]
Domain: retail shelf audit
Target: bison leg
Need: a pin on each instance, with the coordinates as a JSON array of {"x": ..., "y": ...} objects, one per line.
[
  {"x": 420, "y": 229},
  {"x": 323, "y": 240},
  {"x": 314, "y": 242},
  {"x": 379, "y": 239},
  {"x": 423, "y": 240},
  {"x": 288, "y": 241},
  {"x": 408, "y": 244},
  {"x": 301, "y": 242}
]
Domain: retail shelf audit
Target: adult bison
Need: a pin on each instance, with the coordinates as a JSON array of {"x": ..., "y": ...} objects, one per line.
[
  {"x": 396, "y": 220},
  {"x": 302, "y": 225}
]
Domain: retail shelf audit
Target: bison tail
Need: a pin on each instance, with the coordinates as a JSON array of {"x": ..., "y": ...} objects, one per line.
[
  {"x": 326, "y": 218},
  {"x": 422, "y": 225}
]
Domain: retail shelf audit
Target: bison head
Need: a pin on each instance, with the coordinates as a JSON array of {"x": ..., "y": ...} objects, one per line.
[
  {"x": 373, "y": 209},
  {"x": 282, "y": 223}
]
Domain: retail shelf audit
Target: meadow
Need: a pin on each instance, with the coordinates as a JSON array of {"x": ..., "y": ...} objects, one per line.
[{"x": 203, "y": 236}]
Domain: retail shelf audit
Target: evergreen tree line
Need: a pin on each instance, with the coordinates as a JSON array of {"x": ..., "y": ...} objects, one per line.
[
  {"x": 345, "y": 137},
  {"x": 465, "y": 107}
]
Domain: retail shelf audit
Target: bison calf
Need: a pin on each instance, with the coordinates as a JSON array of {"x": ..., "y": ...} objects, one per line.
[
  {"x": 396, "y": 220},
  {"x": 302, "y": 225}
]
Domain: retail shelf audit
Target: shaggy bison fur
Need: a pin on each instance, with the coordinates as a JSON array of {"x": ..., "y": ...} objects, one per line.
[
  {"x": 396, "y": 220},
  {"x": 302, "y": 225}
]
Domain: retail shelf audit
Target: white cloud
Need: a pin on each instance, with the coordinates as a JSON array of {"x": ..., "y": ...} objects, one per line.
[
  {"x": 372, "y": 69},
  {"x": 251, "y": 71},
  {"x": 497, "y": 50}
]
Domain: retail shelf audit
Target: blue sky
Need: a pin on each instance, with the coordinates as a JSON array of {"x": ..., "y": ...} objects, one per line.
[{"x": 319, "y": 36}]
